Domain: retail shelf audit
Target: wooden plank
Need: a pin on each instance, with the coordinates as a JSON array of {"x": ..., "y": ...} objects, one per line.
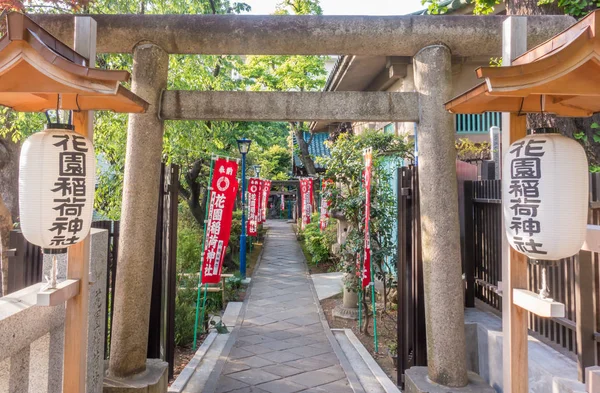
[
  {"x": 514, "y": 264},
  {"x": 75, "y": 349},
  {"x": 532, "y": 302},
  {"x": 514, "y": 319},
  {"x": 585, "y": 316}
]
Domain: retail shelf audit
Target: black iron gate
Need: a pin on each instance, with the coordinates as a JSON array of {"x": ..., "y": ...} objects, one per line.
[{"x": 412, "y": 347}]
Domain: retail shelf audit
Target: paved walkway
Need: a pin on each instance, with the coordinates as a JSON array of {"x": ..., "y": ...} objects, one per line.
[{"x": 282, "y": 346}]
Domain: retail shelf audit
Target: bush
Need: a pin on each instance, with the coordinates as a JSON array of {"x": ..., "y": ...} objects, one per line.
[{"x": 318, "y": 244}]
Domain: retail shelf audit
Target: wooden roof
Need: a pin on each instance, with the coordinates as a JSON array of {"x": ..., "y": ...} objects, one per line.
[
  {"x": 35, "y": 68},
  {"x": 560, "y": 76}
]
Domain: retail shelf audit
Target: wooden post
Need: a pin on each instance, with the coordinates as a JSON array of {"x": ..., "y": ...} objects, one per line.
[
  {"x": 75, "y": 349},
  {"x": 514, "y": 264},
  {"x": 585, "y": 315}
]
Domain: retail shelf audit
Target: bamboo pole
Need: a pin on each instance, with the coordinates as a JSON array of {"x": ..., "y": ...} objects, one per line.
[{"x": 212, "y": 161}]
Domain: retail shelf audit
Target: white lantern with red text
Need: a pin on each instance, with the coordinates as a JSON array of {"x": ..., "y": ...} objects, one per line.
[
  {"x": 545, "y": 195},
  {"x": 56, "y": 188}
]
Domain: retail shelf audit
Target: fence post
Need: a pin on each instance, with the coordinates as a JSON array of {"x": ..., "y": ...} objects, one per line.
[
  {"x": 171, "y": 267},
  {"x": 468, "y": 265},
  {"x": 402, "y": 282},
  {"x": 585, "y": 316}
]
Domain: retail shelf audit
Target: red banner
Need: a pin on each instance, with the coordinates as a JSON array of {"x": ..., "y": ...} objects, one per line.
[
  {"x": 282, "y": 202},
  {"x": 218, "y": 228},
  {"x": 366, "y": 272},
  {"x": 325, "y": 204},
  {"x": 253, "y": 206},
  {"x": 265, "y": 199},
  {"x": 306, "y": 195}
]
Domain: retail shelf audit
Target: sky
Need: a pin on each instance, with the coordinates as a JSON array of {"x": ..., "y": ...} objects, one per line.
[{"x": 348, "y": 7}]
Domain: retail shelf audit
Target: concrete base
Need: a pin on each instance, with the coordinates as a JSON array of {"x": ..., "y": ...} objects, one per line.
[
  {"x": 417, "y": 381},
  {"x": 154, "y": 380},
  {"x": 344, "y": 313},
  {"x": 246, "y": 281}
]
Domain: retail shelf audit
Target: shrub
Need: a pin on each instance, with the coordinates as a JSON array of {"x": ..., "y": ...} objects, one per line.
[{"x": 318, "y": 244}]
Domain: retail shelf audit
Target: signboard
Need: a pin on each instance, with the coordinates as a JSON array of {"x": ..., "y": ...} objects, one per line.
[
  {"x": 253, "y": 206},
  {"x": 218, "y": 228},
  {"x": 325, "y": 204},
  {"x": 306, "y": 199}
]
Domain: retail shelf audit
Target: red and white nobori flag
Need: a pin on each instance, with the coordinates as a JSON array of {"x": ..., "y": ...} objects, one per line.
[
  {"x": 265, "y": 201},
  {"x": 325, "y": 204},
  {"x": 259, "y": 214},
  {"x": 366, "y": 271},
  {"x": 253, "y": 205},
  {"x": 282, "y": 202},
  {"x": 306, "y": 195},
  {"x": 218, "y": 228}
]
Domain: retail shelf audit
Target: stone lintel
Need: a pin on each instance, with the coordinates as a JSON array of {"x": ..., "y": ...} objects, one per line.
[
  {"x": 304, "y": 35},
  {"x": 153, "y": 380},
  {"x": 290, "y": 106},
  {"x": 417, "y": 381}
]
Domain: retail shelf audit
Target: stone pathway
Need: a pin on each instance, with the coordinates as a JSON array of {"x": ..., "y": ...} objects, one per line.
[{"x": 282, "y": 346}]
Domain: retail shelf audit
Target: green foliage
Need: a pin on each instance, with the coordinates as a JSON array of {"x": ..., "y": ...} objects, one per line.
[
  {"x": 275, "y": 162},
  {"x": 318, "y": 244},
  {"x": 468, "y": 150},
  {"x": 576, "y": 8},
  {"x": 345, "y": 167}
]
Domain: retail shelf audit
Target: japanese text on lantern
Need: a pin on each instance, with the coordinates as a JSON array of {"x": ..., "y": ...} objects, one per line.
[
  {"x": 218, "y": 227},
  {"x": 70, "y": 189},
  {"x": 525, "y": 175}
]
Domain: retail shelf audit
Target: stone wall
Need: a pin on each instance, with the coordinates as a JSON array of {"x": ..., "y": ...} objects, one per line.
[{"x": 32, "y": 337}]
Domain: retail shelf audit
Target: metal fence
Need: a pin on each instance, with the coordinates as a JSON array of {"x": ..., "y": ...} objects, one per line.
[
  {"x": 573, "y": 281},
  {"x": 412, "y": 346}
]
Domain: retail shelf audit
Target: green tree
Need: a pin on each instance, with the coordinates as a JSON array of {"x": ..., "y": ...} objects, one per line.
[
  {"x": 345, "y": 167},
  {"x": 290, "y": 73}
]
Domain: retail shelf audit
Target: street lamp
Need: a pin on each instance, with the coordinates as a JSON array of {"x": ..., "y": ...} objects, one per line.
[
  {"x": 244, "y": 147},
  {"x": 256, "y": 170}
]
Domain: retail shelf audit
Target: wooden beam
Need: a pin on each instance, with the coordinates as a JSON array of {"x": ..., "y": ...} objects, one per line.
[
  {"x": 532, "y": 302},
  {"x": 514, "y": 264},
  {"x": 75, "y": 348},
  {"x": 514, "y": 318},
  {"x": 395, "y": 68},
  {"x": 585, "y": 312}
]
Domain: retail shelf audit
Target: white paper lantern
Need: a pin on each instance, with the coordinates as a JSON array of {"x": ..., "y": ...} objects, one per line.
[
  {"x": 545, "y": 194},
  {"x": 56, "y": 187}
]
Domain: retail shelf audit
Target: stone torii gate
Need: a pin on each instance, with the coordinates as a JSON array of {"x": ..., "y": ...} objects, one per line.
[{"x": 431, "y": 42}]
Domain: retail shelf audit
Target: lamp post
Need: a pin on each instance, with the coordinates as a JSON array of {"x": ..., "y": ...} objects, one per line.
[
  {"x": 244, "y": 147},
  {"x": 256, "y": 170}
]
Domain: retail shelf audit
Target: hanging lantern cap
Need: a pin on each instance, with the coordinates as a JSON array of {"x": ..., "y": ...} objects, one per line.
[
  {"x": 60, "y": 126},
  {"x": 544, "y": 130}
]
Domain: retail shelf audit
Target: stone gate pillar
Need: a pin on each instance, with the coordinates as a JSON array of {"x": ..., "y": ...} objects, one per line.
[
  {"x": 129, "y": 337},
  {"x": 444, "y": 313}
]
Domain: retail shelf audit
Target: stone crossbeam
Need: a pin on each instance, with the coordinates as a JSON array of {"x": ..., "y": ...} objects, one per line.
[
  {"x": 289, "y": 106},
  {"x": 304, "y": 35}
]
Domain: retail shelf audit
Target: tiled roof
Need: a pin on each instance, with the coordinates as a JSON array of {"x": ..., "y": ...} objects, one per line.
[{"x": 316, "y": 148}]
